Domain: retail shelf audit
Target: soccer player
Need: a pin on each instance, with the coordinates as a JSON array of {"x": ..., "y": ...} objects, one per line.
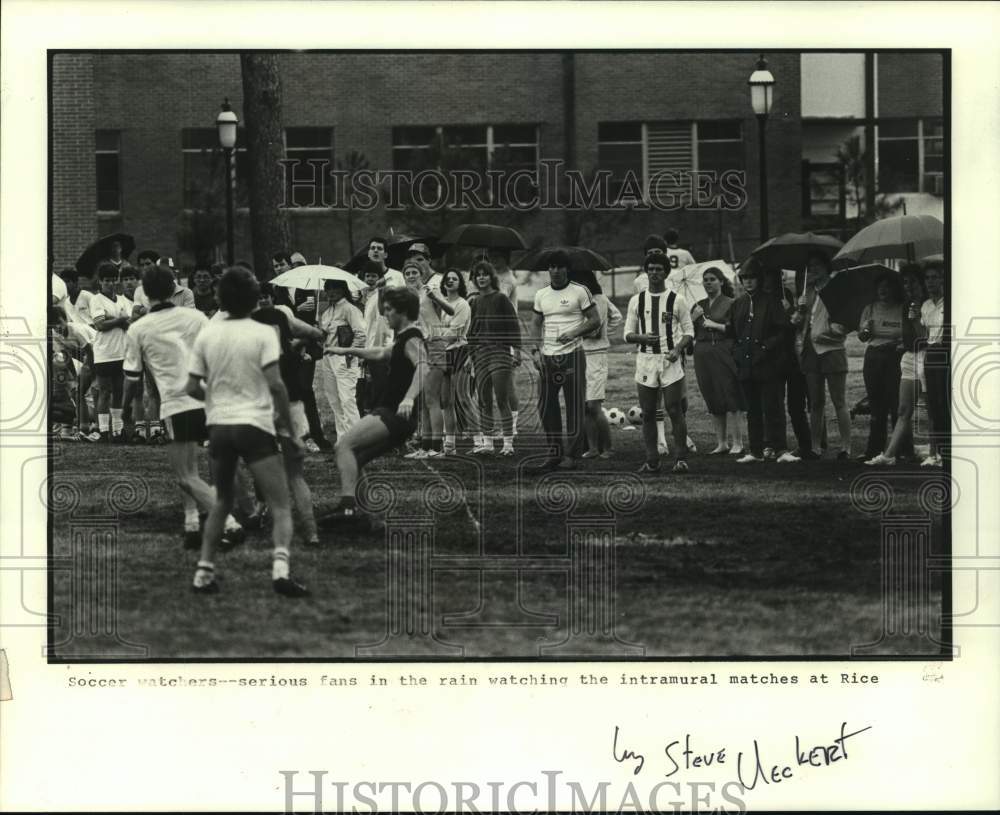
[
  {"x": 564, "y": 313},
  {"x": 659, "y": 322},
  {"x": 160, "y": 345},
  {"x": 394, "y": 418},
  {"x": 676, "y": 257},
  {"x": 110, "y": 313},
  {"x": 234, "y": 368}
]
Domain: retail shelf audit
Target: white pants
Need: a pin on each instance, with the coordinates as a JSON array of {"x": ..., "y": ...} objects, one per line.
[{"x": 340, "y": 384}]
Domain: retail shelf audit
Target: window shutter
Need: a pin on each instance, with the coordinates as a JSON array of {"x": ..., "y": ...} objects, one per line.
[{"x": 669, "y": 147}]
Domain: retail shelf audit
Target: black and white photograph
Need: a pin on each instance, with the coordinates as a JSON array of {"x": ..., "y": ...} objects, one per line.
[{"x": 532, "y": 354}]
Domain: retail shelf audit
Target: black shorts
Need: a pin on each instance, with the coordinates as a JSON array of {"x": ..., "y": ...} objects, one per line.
[
  {"x": 400, "y": 429},
  {"x": 115, "y": 368},
  {"x": 187, "y": 426},
  {"x": 229, "y": 442}
]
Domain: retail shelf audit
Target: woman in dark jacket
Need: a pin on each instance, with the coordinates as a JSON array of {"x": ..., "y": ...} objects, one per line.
[{"x": 758, "y": 324}]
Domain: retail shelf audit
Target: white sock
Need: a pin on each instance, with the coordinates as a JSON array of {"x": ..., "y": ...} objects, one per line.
[
  {"x": 661, "y": 437},
  {"x": 449, "y": 441},
  {"x": 116, "y": 420},
  {"x": 279, "y": 569},
  {"x": 477, "y": 440},
  {"x": 508, "y": 442},
  {"x": 513, "y": 418},
  {"x": 205, "y": 573},
  {"x": 232, "y": 524},
  {"x": 103, "y": 422},
  {"x": 191, "y": 519}
]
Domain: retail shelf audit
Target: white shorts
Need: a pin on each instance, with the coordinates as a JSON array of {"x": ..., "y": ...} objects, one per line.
[
  {"x": 300, "y": 424},
  {"x": 911, "y": 366},
  {"x": 656, "y": 371},
  {"x": 597, "y": 375}
]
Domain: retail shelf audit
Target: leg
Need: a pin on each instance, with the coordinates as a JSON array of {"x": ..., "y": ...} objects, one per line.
[
  {"x": 734, "y": 429},
  {"x": 309, "y": 403},
  {"x": 816, "y": 389},
  {"x": 269, "y": 474},
  {"x": 773, "y": 403},
  {"x": 909, "y": 393},
  {"x": 755, "y": 417},
  {"x": 837, "y": 383},
  {"x": 183, "y": 458},
  {"x": 328, "y": 386},
  {"x": 224, "y": 460},
  {"x": 873, "y": 373},
  {"x": 432, "y": 401},
  {"x": 103, "y": 404},
  {"x": 937, "y": 372},
  {"x": 575, "y": 394},
  {"x": 503, "y": 388},
  {"x": 548, "y": 405},
  {"x": 448, "y": 405},
  {"x": 648, "y": 401},
  {"x": 797, "y": 411},
  {"x": 355, "y": 448},
  {"x": 603, "y": 429},
  {"x": 301, "y": 494},
  {"x": 673, "y": 404},
  {"x": 592, "y": 408},
  {"x": 344, "y": 374}
]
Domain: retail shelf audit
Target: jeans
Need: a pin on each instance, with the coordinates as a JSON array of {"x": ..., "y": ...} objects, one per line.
[
  {"x": 881, "y": 374},
  {"x": 568, "y": 373},
  {"x": 765, "y": 415}
]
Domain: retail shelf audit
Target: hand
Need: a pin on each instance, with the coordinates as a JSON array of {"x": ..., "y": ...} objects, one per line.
[
  {"x": 796, "y": 319},
  {"x": 297, "y": 443},
  {"x": 672, "y": 355},
  {"x": 307, "y": 306},
  {"x": 837, "y": 328},
  {"x": 405, "y": 408},
  {"x": 565, "y": 337},
  {"x": 697, "y": 313},
  {"x": 803, "y": 301}
]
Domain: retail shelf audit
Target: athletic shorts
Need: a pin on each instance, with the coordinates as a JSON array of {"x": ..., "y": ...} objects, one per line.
[
  {"x": 656, "y": 371},
  {"x": 832, "y": 362},
  {"x": 186, "y": 426},
  {"x": 110, "y": 369},
  {"x": 400, "y": 429},
  {"x": 229, "y": 442},
  {"x": 597, "y": 375},
  {"x": 300, "y": 428},
  {"x": 911, "y": 366}
]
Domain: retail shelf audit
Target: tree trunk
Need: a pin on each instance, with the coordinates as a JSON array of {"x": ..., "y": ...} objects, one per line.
[{"x": 265, "y": 146}]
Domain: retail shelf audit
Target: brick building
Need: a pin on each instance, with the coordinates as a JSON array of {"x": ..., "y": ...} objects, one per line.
[{"x": 146, "y": 122}]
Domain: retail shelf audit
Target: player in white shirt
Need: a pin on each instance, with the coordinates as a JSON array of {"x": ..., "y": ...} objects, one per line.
[
  {"x": 659, "y": 322},
  {"x": 234, "y": 368},
  {"x": 160, "y": 345},
  {"x": 111, "y": 314},
  {"x": 564, "y": 312}
]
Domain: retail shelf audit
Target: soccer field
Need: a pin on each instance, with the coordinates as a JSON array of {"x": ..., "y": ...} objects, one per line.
[{"x": 727, "y": 560}]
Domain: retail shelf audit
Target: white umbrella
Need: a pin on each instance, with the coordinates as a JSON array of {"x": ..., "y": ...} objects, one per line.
[
  {"x": 686, "y": 280},
  {"x": 313, "y": 277}
]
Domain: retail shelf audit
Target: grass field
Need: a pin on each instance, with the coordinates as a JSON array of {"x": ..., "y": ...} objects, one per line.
[{"x": 770, "y": 560}]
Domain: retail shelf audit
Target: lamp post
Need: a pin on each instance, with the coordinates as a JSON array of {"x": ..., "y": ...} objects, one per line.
[
  {"x": 761, "y": 84},
  {"x": 226, "y": 123}
]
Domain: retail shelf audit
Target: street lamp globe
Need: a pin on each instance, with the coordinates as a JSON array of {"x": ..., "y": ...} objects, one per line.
[
  {"x": 761, "y": 84},
  {"x": 226, "y": 123}
]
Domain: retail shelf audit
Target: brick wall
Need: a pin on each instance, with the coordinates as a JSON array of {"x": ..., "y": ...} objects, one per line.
[
  {"x": 73, "y": 175},
  {"x": 910, "y": 85}
]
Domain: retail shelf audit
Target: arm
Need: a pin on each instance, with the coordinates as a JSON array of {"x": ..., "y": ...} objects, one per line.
[
  {"x": 417, "y": 354},
  {"x": 439, "y": 301},
  {"x": 280, "y": 397},
  {"x": 614, "y": 315},
  {"x": 369, "y": 354},
  {"x": 591, "y": 322},
  {"x": 195, "y": 387},
  {"x": 302, "y": 329},
  {"x": 457, "y": 328}
]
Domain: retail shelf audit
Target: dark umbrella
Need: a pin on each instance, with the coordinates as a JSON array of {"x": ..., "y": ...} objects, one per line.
[
  {"x": 484, "y": 236},
  {"x": 396, "y": 249},
  {"x": 907, "y": 237},
  {"x": 848, "y": 292},
  {"x": 580, "y": 259},
  {"x": 792, "y": 250},
  {"x": 101, "y": 250}
]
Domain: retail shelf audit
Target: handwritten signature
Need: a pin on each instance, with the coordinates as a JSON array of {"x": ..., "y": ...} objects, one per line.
[{"x": 749, "y": 772}]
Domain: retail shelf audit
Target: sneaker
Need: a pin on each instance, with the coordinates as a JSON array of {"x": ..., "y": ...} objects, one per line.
[
  {"x": 769, "y": 454},
  {"x": 340, "y": 514},
  {"x": 607, "y": 454},
  {"x": 311, "y": 446},
  {"x": 434, "y": 454},
  {"x": 312, "y": 541},
  {"x": 192, "y": 539},
  {"x": 736, "y": 451},
  {"x": 663, "y": 449},
  {"x": 680, "y": 466},
  {"x": 788, "y": 458},
  {"x": 692, "y": 447},
  {"x": 590, "y": 454},
  {"x": 449, "y": 450},
  {"x": 93, "y": 436},
  {"x": 931, "y": 461},
  {"x": 807, "y": 455},
  {"x": 417, "y": 454},
  {"x": 68, "y": 433},
  {"x": 231, "y": 538},
  {"x": 506, "y": 452},
  {"x": 648, "y": 468},
  {"x": 287, "y": 587},
  {"x": 881, "y": 460},
  {"x": 719, "y": 451},
  {"x": 483, "y": 451},
  {"x": 749, "y": 458}
]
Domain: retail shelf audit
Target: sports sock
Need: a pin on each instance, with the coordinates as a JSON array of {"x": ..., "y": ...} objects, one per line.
[
  {"x": 205, "y": 573},
  {"x": 279, "y": 568},
  {"x": 191, "y": 519},
  {"x": 513, "y": 418},
  {"x": 508, "y": 442},
  {"x": 116, "y": 421},
  {"x": 477, "y": 440},
  {"x": 449, "y": 441},
  {"x": 103, "y": 422}
]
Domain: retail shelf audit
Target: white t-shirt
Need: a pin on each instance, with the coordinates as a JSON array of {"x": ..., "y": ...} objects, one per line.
[
  {"x": 932, "y": 318},
  {"x": 109, "y": 346},
  {"x": 562, "y": 310},
  {"x": 59, "y": 293},
  {"x": 161, "y": 343},
  {"x": 394, "y": 279},
  {"x": 230, "y": 355},
  {"x": 678, "y": 258},
  {"x": 378, "y": 334},
  {"x": 82, "y": 306},
  {"x": 655, "y": 323}
]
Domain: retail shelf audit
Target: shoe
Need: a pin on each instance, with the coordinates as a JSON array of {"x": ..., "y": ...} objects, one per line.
[
  {"x": 736, "y": 451},
  {"x": 606, "y": 454},
  {"x": 663, "y": 449},
  {"x": 68, "y": 434},
  {"x": 338, "y": 515},
  {"x": 311, "y": 446},
  {"x": 192, "y": 539},
  {"x": 449, "y": 450},
  {"x": 434, "y": 454},
  {"x": 692, "y": 447},
  {"x": 749, "y": 458},
  {"x": 156, "y": 436},
  {"x": 417, "y": 454},
  {"x": 719, "y": 451},
  {"x": 881, "y": 460},
  {"x": 788, "y": 458},
  {"x": 93, "y": 436},
  {"x": 506, "y": 452},
  {"x": 680, "y": 466},
  {"x": 205, "y": 444},
  {"x": 211, "y": 587},
  {"x": 769, "y": 454},
  {"x": 590, "y": 454},
  {"x": 483, "y": 451},
  {"x": 648, "y": 468},
  {"x": 231, "y": 538},
  {"x": 931, "y": 461},
  {"x": 544, "y": 466},
  {"x": 287, "y": 587},
  {"x": 807, "y": 455}
]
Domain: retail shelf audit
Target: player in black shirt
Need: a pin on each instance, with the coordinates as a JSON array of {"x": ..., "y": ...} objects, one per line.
[{"x": 394, "y": 418}]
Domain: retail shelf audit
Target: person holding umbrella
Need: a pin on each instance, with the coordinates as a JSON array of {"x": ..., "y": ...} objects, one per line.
[
  {"x": 937, "y": 361},
  {"x": 822, "y": 355},
  {"x": 910, "y": 365},
  {"x": 881, "y": 328}
]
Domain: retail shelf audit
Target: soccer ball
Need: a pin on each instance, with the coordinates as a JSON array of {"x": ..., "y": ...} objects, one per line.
[
  {"x": 635, "y": 415},
  {"x": 615, "y": 416}
]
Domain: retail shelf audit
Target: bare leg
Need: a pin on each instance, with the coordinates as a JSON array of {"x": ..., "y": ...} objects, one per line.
[
  {"x": 838, "y": 395},
  {"x": 368, "y": 434},
  {"x": 719, "y": 423},
  {"x": 909, "y": 392}
]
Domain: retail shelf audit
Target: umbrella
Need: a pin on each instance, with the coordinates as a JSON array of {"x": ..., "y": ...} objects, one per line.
[
  {"x": 907, "y": 237},
  {"x": 484, "y": 236},
  {"x": 580, "y": 259},
  {"x": 849, "y": 291},
  {"x": 686, "y": 280},
  {"x": 101, "y": 250},
  {"x": 396, "y": 249},
  {"x": 792, "y": 250},
  {"x": 313, "y": 277}
]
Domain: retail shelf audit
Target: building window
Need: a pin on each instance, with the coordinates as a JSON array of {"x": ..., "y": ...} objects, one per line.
[
  {"x": 651, "y": 150},
  {"x": 911, "y": 156},
  {"x": 109, "y": 191},
  {"x": 307, "y": 144},
  {"x": 205, "y": 169}
]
